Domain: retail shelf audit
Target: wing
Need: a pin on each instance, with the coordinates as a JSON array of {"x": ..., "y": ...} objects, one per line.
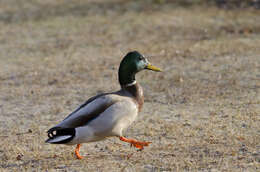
[
  {"x": 88, "y": 111},
  {"x": 116, "y": 118}
]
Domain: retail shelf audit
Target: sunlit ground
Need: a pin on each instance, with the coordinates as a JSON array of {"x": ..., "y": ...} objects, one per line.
[{"x": 201, "y": 113}]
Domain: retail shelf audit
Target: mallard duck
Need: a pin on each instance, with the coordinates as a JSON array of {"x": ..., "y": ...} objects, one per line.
[{"x": 107, "y": 114}]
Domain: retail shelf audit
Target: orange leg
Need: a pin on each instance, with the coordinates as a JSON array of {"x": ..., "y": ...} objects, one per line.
[
  {"x": 135, "y": 143},
  {"x": 77, "y": 152}
]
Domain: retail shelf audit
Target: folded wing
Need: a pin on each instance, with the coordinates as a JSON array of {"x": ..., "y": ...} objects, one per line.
[
  {"x": 91, "y": 109},
  {"x": 88, "y": 111}
]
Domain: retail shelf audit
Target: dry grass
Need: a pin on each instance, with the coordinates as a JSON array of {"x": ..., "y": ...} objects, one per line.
[{"x": 202, "y": 113}]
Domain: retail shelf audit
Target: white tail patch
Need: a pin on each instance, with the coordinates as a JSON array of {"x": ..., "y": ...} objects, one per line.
[{"x": 59, "y": 139}]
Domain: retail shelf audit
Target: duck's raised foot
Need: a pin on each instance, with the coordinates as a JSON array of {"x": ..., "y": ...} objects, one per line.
[{"x": 138, "y": 144}]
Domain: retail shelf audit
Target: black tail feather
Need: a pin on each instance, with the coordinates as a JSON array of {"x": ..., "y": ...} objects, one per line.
[{"x": 55, "y": 132}]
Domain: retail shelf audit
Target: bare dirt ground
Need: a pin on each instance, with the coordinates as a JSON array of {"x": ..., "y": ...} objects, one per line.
[{"x": 201, "y": 113}]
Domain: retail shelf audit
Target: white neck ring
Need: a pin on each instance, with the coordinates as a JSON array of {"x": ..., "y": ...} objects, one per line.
[{"x": 130, "y": 84}]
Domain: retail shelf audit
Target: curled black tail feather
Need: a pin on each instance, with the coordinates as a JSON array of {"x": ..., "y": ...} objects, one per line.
[{"x": 55, "y": 132}]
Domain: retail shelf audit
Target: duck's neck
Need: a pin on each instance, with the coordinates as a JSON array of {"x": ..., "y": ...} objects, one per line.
[
  {"x": 128, "y": 83},
  {"x": 137, "y": 92},
  {"x": 126, "y": 78}
]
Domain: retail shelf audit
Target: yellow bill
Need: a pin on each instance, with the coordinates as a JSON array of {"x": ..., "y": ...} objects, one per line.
[{"x": 154, "y": 68}]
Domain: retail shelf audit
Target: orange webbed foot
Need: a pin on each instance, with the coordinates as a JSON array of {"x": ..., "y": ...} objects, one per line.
[
  {"x": 77, "y": 152},
  {"x": 138, "y": 144}
]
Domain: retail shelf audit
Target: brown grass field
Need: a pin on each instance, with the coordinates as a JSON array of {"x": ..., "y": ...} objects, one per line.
[{"x": 201, "y": 113}]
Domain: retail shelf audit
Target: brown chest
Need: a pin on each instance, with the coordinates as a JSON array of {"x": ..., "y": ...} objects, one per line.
[{"x": 137, "y": 92}]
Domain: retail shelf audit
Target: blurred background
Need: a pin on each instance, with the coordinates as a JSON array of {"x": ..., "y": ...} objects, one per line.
[
  {"x": 201, "y": 113},
  {"x": 22, "y": 10}
]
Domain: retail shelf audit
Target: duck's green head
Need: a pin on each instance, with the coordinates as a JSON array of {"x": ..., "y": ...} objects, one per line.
[{"x": 132, "y": 63}]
